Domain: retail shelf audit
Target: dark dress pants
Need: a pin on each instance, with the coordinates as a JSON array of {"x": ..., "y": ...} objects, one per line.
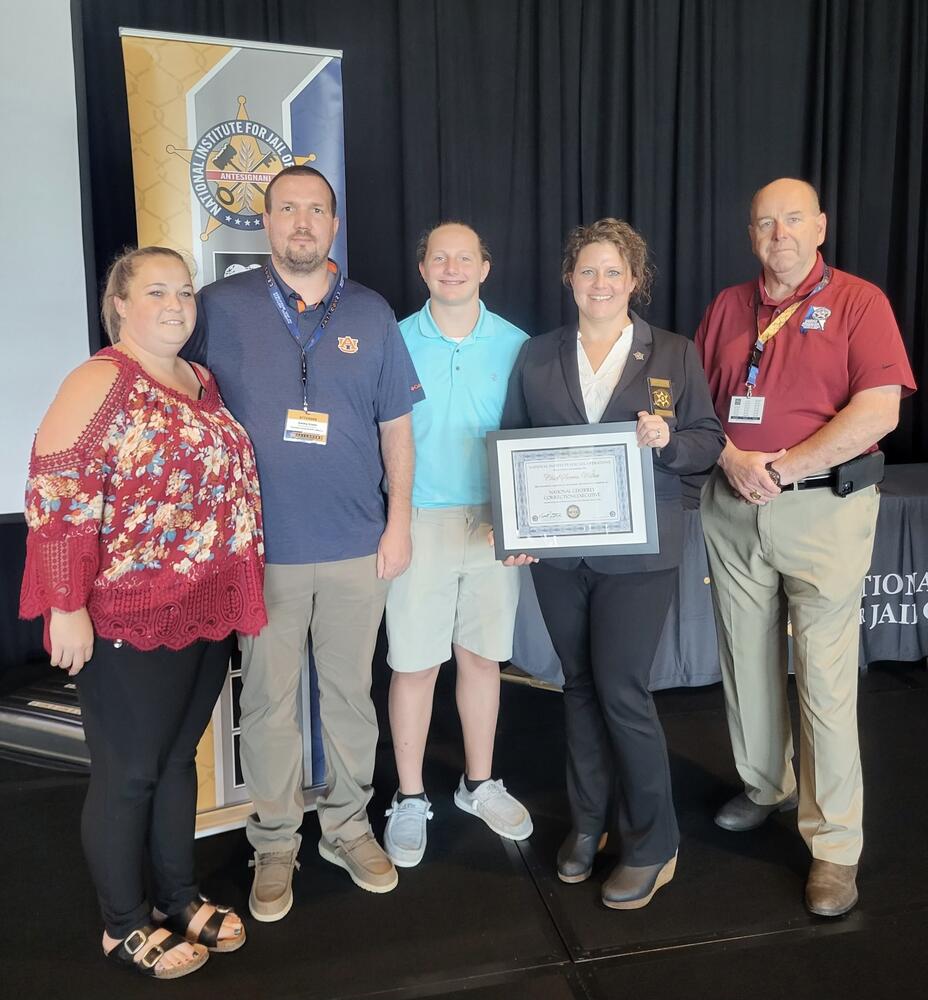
[
  {"x": 605, "y": 628},
  {"x": 144, "y": 714}
]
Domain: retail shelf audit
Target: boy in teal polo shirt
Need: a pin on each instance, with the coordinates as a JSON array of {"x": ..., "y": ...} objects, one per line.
[{"x": 455, "y": 595}]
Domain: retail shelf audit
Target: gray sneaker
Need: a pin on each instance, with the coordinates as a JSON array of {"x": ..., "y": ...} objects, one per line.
[
  {"x": 405, "y": 835},
  {"x": 502, "y": 813},
  {"x": 364, "y": 860},
  {"x": 271, "y": 891}
]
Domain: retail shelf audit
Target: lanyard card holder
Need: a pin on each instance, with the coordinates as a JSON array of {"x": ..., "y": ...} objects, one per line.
[{"x": 858, "y": 473}]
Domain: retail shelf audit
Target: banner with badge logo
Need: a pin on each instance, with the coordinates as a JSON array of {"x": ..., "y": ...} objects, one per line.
[{"x": 212, "y": 121}]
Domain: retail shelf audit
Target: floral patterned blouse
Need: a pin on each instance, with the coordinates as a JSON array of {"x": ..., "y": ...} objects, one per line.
[{"x": 152, "y": 519}]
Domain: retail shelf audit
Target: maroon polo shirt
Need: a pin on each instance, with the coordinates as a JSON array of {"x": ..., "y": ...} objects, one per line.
[{"x": 806, "y": 376}]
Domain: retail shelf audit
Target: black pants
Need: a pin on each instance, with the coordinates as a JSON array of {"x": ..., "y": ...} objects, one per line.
[
  {"x": 605, "y": 628},
  {"x": 144, "y": 714}
]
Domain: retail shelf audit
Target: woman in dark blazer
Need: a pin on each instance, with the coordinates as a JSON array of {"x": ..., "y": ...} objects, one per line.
[{"x": 605, "y": 614}]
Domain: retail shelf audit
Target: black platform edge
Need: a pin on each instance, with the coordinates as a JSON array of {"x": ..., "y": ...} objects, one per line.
[
  {"x": 510, "y": 983},
  {"x": 802, "y": 927}
]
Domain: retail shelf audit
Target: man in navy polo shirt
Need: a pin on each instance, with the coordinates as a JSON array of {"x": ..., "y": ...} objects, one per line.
[
  {"x": 314, "y": 367},
  {"x": 455, "y": 595}
]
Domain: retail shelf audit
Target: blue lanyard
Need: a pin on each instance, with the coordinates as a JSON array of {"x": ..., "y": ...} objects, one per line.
[
  {"x": 757, "y": 352},
  {"x": 330, "y": 305}
]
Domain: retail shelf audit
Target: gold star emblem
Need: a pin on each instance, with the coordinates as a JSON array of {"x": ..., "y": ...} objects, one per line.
[
  {"x": 231, "y": 174},
  {"x": 662, "y": 399},
  {"x": 639, "y": 356}
]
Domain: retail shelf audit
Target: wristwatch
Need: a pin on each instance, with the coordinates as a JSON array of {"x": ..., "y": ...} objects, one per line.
[{"x": 772, "y": 472}]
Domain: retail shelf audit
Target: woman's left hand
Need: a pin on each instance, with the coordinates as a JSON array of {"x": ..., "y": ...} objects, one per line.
[
  {"x": 652, "y": 431},
  {"x": 71, "y": 636}
]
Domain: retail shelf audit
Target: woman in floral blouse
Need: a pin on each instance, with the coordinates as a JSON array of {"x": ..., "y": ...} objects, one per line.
[{"x": 144, "y": 556}]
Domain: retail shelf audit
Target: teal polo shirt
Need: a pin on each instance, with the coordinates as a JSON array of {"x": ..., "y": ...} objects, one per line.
[{"x": 465, "y": 387}]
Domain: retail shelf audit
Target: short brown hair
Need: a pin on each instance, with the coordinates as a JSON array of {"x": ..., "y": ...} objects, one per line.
[
  {"x": 118, "y": 278},
  {"x": 298, "y": 170},
  {"x": 625, "y": 239},
  {"x": 423, "y": 244}
]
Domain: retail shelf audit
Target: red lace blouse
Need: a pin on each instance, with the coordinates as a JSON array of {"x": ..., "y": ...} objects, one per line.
[{"x": 152, "y": 519}]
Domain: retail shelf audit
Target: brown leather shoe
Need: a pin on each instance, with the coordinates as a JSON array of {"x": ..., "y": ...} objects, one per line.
[{"x": 831, "y": 889}]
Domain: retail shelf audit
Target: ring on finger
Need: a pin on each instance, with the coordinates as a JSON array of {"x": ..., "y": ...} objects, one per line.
[{"x": 754, "y": 495}]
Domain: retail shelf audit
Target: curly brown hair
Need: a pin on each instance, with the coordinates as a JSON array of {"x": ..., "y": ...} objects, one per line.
[
  {"x": 627, "y": 241},
  {"x": 118, "y": 278}
]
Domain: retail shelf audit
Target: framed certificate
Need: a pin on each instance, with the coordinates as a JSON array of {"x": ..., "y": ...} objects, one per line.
[{"x": 584, "y": 490}]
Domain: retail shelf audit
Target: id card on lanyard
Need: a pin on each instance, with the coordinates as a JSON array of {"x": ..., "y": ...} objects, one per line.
[
  {"x": 749, "y": 409},
  {"x": 305, "y": 426}
]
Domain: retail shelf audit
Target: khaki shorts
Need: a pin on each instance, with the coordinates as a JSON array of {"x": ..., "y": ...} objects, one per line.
[{"x": 454, "y": 591}]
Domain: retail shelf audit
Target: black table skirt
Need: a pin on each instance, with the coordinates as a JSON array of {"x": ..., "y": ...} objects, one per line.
[{"x": 894, "y": 601}]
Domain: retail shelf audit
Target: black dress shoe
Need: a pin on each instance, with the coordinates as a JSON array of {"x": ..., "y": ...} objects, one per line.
[
  {"x": 575, "y": 855},
  {"x": 629, "y": 888},
  {"x": 740, "y": 813}
]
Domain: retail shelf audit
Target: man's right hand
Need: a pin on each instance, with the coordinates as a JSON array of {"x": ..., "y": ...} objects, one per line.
[{"x": 747, "y": 474}]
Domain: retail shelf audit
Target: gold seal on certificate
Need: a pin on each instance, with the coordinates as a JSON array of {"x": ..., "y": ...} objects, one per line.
[{"x": 569, "y": 491}]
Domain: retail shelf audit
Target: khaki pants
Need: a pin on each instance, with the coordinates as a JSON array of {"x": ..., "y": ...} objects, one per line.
[
  {"x": 340, "y": 604},
  {"x": 804, "y": 554},
  {"x": 454, "y": 591}
]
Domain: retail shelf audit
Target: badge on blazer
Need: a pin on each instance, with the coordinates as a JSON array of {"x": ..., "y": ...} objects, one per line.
[
  {"x": 661, "y": 390},
  {"x": 348, "y": 345},
  {"x": 815, "y": 318}
]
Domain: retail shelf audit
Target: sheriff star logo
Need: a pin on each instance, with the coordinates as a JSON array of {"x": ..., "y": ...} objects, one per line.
[
  {"x": 231, "y": 166},
  {"x": 662, "y": 399},
  {"x": 639, "y": 356}
]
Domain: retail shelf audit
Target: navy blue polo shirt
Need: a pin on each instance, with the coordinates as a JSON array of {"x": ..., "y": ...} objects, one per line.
[{"x": 321, "y": 503}]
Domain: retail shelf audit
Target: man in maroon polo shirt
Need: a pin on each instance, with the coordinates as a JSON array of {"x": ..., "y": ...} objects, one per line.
[{"x": 806, "y": 367}]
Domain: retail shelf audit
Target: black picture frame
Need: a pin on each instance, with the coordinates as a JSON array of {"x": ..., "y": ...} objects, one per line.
[{"x": 515, "y": 454}]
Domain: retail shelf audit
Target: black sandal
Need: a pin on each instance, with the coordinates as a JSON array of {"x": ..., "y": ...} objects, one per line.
[
  {"x": 208, "y": 934},
  {"x": 138, "y": 953}
]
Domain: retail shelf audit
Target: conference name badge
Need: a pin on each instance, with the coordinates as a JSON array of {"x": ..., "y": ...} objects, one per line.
[
  {"x": 661, "y": 390},
  {"x": 306, "y": 427},
  {"x": 746, "y": 410}
]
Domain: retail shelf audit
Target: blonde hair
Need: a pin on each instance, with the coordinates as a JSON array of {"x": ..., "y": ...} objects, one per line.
[
  {"x": 118, "y": 278},
  {"x": 627, "y": 241},
  {"x": 423, "y": 245}
]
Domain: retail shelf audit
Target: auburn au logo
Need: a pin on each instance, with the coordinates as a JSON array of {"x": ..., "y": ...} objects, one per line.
[{"x": 348, "y": 345}]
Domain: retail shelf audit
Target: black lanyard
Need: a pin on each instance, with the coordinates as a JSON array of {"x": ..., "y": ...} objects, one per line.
[
  {"x": 757, "y": 352},
  {"x": 293, "y": 329}
]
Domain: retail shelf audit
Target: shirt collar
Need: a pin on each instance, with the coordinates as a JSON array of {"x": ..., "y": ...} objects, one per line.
[
  {"x": 293, "y": 298},
  {"x": 429, "y": 328},
  {"x": 808, "y": 283},
  {"x": 627, "y": 331}
]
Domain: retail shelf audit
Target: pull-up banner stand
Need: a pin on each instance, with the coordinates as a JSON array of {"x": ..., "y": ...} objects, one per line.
[{"x": 212, "y": 121}]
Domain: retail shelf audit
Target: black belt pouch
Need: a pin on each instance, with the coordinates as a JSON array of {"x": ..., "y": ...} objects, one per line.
[{"x": 858, "y": 474}]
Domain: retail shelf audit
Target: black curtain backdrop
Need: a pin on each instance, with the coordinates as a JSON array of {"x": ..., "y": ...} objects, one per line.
[{"x": 526, "y": 117}]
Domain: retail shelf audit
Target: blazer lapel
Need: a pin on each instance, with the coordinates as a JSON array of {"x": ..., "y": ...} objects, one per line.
[
  {"x": 638, "y": 356},
  {"x": 571, "y": 371}
]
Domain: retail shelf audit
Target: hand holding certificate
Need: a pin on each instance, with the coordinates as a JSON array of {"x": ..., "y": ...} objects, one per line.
[{"x": 569, "y": 491}]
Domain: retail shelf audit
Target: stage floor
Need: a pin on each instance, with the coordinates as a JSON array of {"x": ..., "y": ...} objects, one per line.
[{"x": 484, "y": 918}]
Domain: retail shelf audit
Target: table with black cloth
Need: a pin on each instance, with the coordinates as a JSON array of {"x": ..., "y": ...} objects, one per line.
[{"x": 894, "y": 605}]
